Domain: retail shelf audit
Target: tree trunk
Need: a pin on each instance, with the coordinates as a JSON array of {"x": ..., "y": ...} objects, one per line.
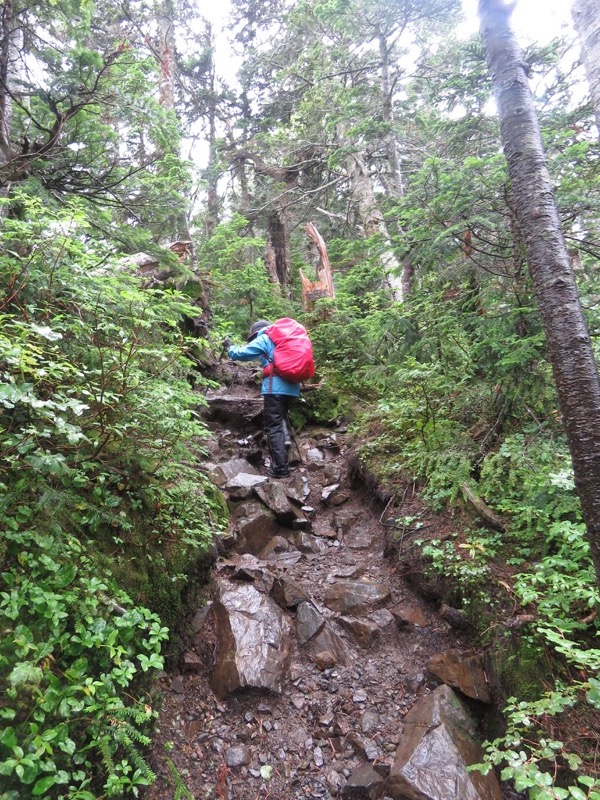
[
  {"x": 569, "y": 347},
  {"x": 279, "y": 241},
  {"x": 396, "y": 187},
  {"x": 372, "y": 219},
  {"x": 11, "y": 43},
  {"x": 166, "y": 36},
  {"x": 323, "y": 286},
  {"x": 586, "y": 18},
  {"x": 212, "y": 175}
]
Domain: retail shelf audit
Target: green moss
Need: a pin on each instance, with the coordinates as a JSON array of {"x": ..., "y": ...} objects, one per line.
[
  {"x": 320, "y": 406},
  {"x": 518, "y": 666}
]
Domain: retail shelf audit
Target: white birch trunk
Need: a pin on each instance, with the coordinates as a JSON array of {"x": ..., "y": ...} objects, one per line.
[
  {"x": 586, "y": 18},
  {"x": 373, "y": 221},
  {"x": 11, "y": 46}
]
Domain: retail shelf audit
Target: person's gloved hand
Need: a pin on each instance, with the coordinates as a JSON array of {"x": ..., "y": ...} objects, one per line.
[{"x": 226, "y": 343}]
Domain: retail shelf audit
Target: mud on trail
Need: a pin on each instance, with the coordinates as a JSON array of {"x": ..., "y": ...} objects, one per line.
[{"x": 314, "y": 671}]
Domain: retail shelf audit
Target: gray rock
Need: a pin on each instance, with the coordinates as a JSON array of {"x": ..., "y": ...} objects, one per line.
[
  {"x": 363, "y": 630},
  {"x": 327, "y": 649},
  {"x": 309, "y": 622},
  {"x": 255, "y": 526},
  {"x": 191, "y": 662},
  {"x": 332, "y": 472},
  {"x": 298, "y": 488},
  {"x": 414, "y": 681},
  {"x": 335, "y": 782},
  {"x": 382, "y": 617},
  {"x": 310, "y": 544},
  {"x": 369, "y": 722},
  {"x": 462, "y": 671},
  {"x": 349, "y": 571},
  {"x": 455, "y": 617},
  {"x": 238, "y": 756},
  {"x": 301, "y": 523},
  {"x": 314, "y": 457},
  {"x": 437, "y": 747},
  {"x": 254, "y": 640},
  {"x": 248, "y": 567},
  {"x": 364, "y": 782},
  {"x": 177, "y": 685},
  {"x": 200, "y": 617},
  {"x": 356, "y": 597},
  {"x": 334, "y": 495},
  {"x": 288, "y": 593},
  {"x": 344, "y": 521},
  {"x": 275, "y": 546},
  {"x": 285, "y": 560},
  {"x": 241, "y": 486},
  {"x": 328, "y": 492},
  {"x": 358, "y": 539},
  {"x": 228, "y": 470},
  {"x": 366, "y": 747},
  {"x": 274, "y": 497}
]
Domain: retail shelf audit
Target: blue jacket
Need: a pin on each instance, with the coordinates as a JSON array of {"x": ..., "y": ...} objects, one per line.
[{"x": 262, "y": 348}]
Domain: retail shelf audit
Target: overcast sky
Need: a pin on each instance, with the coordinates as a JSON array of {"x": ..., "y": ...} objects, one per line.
[{"x": 533, "y": 20}]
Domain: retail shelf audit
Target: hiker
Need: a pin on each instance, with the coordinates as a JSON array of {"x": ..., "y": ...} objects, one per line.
[{"x": 277, "y": 395}]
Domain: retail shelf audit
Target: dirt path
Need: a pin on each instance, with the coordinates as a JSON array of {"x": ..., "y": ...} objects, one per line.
[{"x": 330, "y": 718}]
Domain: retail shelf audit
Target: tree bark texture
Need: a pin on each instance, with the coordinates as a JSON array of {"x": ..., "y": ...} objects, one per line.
[
  {"x": 279, "y": 243},
  {"x": 586, "y": 18},
  {"x": 166, "y": 34},
  {"x": 372, "y": 219},
  {"x": 11, "y": 43},
  {"x": 212, "y": 173},
  {"x": 568, "y": 341},
  {"x": 396, "y": 187}
]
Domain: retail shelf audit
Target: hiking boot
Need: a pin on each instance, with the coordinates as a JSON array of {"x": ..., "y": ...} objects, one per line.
[
  {"x": 284, "y": 473},
  {"x": 278, "y": 473}
]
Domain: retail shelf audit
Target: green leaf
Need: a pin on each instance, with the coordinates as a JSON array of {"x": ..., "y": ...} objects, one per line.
[
  {"x": 65, "y": 575},
  {"x": 577, "y": 793},
  {"x": 43, "y": 785},
  {"x": 25, "y": 673},
  {"x": 46, "y": 332},
  {"x": 8, "y": 737}
]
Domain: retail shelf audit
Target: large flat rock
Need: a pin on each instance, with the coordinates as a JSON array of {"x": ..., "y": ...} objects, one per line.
[
  {"x": 438, "y": 744},
  {"x": 273, "y": 495},
  {"x": 254, "y": 640},
  {"x": 463, "y": 671},
  {"x": 226, "y": 471},
  {"x": 356, "y": 597},
  {"x": 255, "y": 526}
]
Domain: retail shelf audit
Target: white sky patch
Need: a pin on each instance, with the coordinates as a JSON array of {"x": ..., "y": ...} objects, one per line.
[{"x": 532, "y": 20}]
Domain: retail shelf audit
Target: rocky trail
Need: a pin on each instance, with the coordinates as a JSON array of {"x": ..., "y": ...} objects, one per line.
[{"x": 314, "y": 671}]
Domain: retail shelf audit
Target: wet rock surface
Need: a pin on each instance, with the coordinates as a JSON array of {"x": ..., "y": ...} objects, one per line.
[
  {"x": 438, "y": 745},
  {"x": 311, "y": 672}
]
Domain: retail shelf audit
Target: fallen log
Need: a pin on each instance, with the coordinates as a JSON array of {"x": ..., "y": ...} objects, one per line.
[{"x": 489, "y": 517}]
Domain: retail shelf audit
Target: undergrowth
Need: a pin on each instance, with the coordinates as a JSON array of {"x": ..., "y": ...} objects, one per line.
[
  {"x": 461, "y": 403},
  {"x": 104, "y": 515}
]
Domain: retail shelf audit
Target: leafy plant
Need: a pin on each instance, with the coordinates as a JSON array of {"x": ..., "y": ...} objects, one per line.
[{"x": 99, "y": 444}]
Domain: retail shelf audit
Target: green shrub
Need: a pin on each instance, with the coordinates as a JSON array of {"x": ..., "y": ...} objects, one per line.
[{"x": 100, "y": 442}]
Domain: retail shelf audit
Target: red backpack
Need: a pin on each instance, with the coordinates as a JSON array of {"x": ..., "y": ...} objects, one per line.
[{"x": 293, "y": 357}]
